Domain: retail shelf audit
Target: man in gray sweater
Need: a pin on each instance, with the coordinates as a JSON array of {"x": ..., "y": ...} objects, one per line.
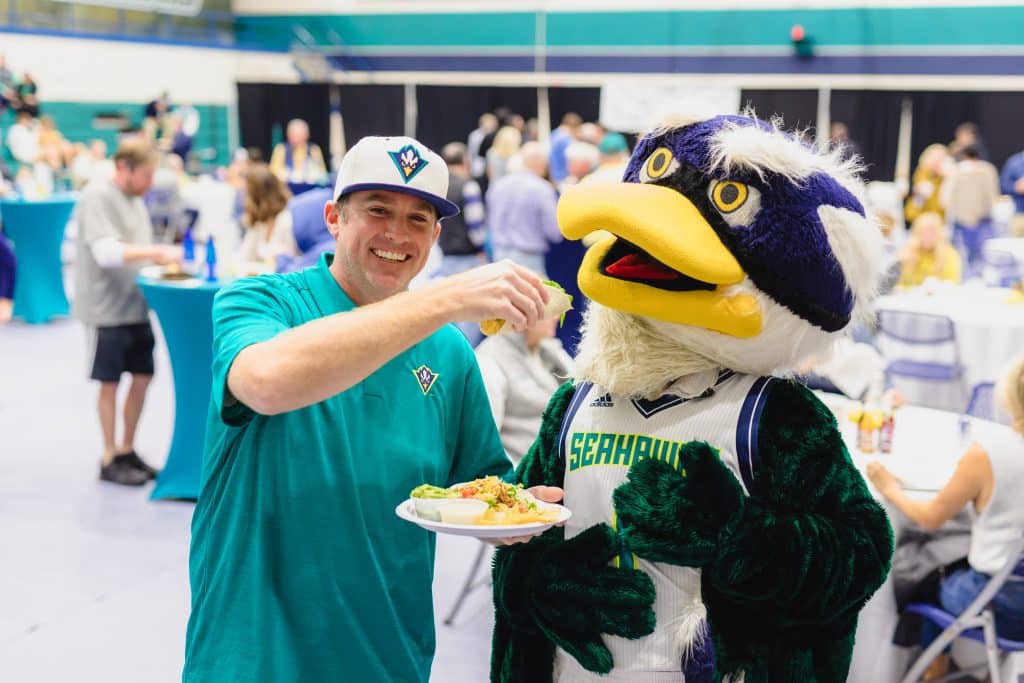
[{"x": 115, "y": 237}]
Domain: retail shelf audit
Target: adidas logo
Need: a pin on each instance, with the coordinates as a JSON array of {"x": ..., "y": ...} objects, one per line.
[{"x": 604, "y": 401}]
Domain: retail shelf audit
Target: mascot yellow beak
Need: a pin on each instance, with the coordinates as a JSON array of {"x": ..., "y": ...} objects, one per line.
[{"x": 663, "y": 260}]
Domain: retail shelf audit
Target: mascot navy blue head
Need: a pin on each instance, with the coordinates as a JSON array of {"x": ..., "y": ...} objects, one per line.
[{"x": 731, "y": 238}]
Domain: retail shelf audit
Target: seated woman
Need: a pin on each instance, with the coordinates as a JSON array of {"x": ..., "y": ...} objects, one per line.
[
  {"x": 521, "y": 372},
  {"x": 990, "y": 476},
  {"x": 928, "y": 253},
  {"x": 267, "y": 220}
]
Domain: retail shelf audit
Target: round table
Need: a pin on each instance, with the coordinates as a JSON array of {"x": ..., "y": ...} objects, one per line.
[
  {"x": 989, "y": 331},
  {"x": 36, "y": 227},
  {"x": 184, "y": 310}
]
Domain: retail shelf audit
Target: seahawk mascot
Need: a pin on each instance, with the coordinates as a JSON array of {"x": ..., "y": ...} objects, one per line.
[{"x": 720, "y": 531}]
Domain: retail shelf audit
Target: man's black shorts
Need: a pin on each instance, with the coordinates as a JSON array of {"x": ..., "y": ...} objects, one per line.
[{"x": 123, "y": 348}]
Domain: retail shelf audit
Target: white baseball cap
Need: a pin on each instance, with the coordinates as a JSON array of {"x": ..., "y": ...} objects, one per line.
[{"x": 398, "y": 164}]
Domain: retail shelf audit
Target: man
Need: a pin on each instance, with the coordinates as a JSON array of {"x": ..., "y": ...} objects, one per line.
[
  {"x": 1011, "y": 182},
  {"x": 521, "y": 212},
  {"x": 462, "y": 239},
  {"x": 114, "y": 237},
  {"x": 561, "y": 138},
  {"x": 23, "y": 139},
  {"x": 487, "y": 124},
  {"x": 969, "y": 194},
  {"x": 335, "y": 392},
  {"x": 297, "y": 160}
]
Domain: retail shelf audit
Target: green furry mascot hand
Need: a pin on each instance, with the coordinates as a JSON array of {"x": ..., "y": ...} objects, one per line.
[
  {"x": 571, "y": 594},
  {"x": 678, "y": 518}
]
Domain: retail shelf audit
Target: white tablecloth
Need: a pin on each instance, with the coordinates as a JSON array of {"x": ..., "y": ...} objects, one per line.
[
  {"x": 1011, "y": 245},
  {"x": 927, "y": 444},
  {"x": 989, "y": 331}
]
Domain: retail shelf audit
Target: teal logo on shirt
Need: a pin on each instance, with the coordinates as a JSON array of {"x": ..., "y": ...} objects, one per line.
[
  {"x": 408, "y": 161},
  {"x": 426, "y": 378}
]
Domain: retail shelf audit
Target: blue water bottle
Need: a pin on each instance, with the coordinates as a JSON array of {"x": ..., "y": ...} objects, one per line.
[
  {"x": 211, "y": 261},
  {"x": 188, "y": 248}
]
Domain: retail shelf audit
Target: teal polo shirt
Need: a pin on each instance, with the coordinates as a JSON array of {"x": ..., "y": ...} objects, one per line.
[{"x": 300, "y": 569}]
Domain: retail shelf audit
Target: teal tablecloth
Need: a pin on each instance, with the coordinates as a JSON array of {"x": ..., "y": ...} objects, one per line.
[
  {"x": 184, "y": 312},
  {"x": 36, "y": 227}
]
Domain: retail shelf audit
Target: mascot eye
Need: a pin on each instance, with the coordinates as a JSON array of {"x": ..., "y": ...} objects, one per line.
[
  {"x": 738, "y": 203},
  {"x": 658, "y": 165}
]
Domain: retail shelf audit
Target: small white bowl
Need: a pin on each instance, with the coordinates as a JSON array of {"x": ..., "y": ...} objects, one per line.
[
  {"x": 461, "y": 510},
  {"x": 428, "y": 508}
]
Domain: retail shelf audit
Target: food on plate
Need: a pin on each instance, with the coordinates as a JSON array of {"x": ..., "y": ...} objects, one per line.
[
  {"x": 461, "y": 510},
  {"x": 504, "y": 503},
  {"x": 173, "y": 271},
  {"x": 559, "y": 303},
  {"x": 427, "y": 499}
]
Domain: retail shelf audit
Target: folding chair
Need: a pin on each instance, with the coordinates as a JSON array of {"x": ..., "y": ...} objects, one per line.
[
  {"x": 977, "y": 623},
  {"x": 923, "y": 330},
  {"x": 1002, "y": 268},
  {"x": 981, "y": 404}
]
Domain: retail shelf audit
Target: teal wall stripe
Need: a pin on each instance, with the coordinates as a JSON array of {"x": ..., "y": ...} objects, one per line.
[{"x": 869, "y": 27}]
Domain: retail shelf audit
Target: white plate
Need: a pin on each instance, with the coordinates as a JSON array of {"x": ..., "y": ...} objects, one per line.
[
  {"x": 407, "y": 511},
  {"x": 156, "y": 272}
]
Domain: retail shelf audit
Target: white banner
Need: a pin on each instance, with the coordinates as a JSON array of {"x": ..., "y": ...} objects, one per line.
[
  {"x": 188, "y": 8},
  {"x": 637, "y": 107}
]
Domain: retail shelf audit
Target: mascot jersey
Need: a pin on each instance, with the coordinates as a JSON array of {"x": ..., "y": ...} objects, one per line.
[{"x": 602, "y": 437}]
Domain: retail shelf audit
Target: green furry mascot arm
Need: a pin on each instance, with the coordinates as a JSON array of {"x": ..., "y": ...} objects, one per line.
[
  {"x": 552, "y": 592},
  {"x": 785, "y": 570}
]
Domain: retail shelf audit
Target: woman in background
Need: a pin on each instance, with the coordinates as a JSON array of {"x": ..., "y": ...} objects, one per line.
[
  {"x": 928, "y": 253},
  {"x": 989, "y": 476},
  {"x": 267, "y": 220},
  {"x": 932, "y": 167},
  {"x": 507, "y": 142}
]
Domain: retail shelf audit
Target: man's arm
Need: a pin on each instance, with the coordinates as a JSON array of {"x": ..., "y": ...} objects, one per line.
[{"x": 314, "y": 361}]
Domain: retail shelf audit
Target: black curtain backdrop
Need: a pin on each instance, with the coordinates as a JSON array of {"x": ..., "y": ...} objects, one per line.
[
  {"x": 261, "y": 105},
  {"x": 798, "y": 108},
  {"x": 873, "y": 119},
  {"x": 997, "y": 115},
  {"x": 372, "y": 110},
  {"x": 584, "y": 101},
  {"x": 448, "y": 113}
]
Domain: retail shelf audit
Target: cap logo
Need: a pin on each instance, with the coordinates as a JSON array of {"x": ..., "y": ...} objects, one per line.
[{"x": 408, "y": 161}]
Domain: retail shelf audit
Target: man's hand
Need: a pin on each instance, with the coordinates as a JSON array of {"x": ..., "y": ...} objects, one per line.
[
  {"x": 167, "y": 253},
  {"x": 548, "y": 494},
  {"x": 502, "y": 290}
]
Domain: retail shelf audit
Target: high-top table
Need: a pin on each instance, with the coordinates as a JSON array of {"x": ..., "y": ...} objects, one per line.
[
  {"x": 36, "y": 227},
  {"x": 184, "y": 310}
]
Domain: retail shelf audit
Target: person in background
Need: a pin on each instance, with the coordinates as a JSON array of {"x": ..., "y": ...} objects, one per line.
[
  {"x": 839, "y": 139},
  {"x": 8, "y": 266},
  {"x": 336, "y": 391},
  {"x": 8, "y": 87},
  {"x": 521, "y": 371},
  {"x": 311, "y": 234},
  {"x": 23, "y": 139},
  {"x": 507, "y": 142},
  {"x": 591, "y": 133},
  {"x": 114, "y": 238},
  {"x": 969, "y": 195},
  {"x": 488, "y": 123},
  {"x": 989, "y": 477},
  {"x": 927, "y": 253},
  {"x": 297, "y": 160},
  {"x": 267, "y": 221},
  {"x": 561, "y": 138},
  {"x": 967, "y": 135},
  {"x": 462, "y": 239},
  {"x": 521, "y": 212},
  {"x": 1011, "y": 182},
  {"x": 614, "y": 151},
  {"x": 926, "y": 184},
  {"x": 28, "y": 95},
  {"x": 581, "y": 159}
]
